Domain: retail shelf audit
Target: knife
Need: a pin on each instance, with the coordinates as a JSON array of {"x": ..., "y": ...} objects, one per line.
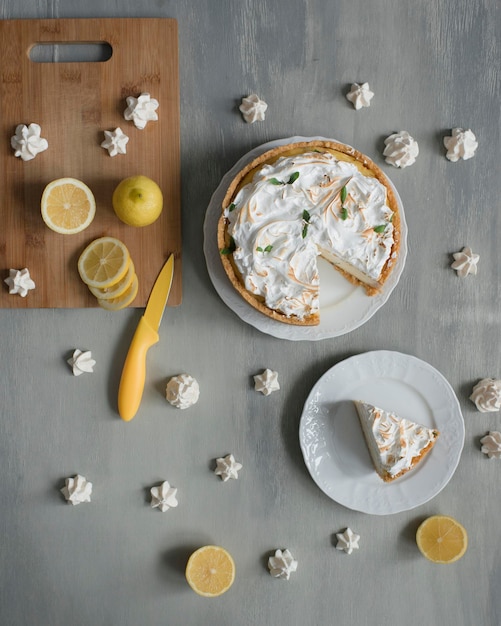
[{"x": 131, "y": 386}]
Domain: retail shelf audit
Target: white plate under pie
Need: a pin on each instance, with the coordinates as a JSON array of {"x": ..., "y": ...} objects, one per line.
[
  {"x": 343, "y": 306},
  {"x": 334, "y": 447}
]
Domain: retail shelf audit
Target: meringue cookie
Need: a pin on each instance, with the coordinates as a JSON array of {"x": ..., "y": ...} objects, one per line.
[
  {"x": 360, "y": 95},
  {"x": 20, "y": 282},
  {"x": 253, "y": 109},
  {"x": 163, "y": 497},
  {"x": 347, "y": 541},
  {"x": 227, "y": 467},
  {"x": 115, "y": 141},
  {"x": 182, "y": 391},
  {"x": 27, "y": 141},
  {"x": 77, "y": 490},
  {"x": 401, "y": 149},
  {"x": 491, "y": 444},
  {"x": 267, "y": 382},
  {"x": 81, "y": 362},
  {"x": 486, "y": 395},
  {"x": 282, "y": 564},
  {"x": 141, "y": 110},
  {"x": 462, "y": 144},
  {"x": 465, "y": 262}
]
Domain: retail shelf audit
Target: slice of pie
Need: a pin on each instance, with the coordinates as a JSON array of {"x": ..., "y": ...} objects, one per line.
[{"x": 396, "y": 444}]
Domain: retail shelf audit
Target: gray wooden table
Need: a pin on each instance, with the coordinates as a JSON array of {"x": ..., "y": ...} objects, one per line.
[{"x": 433, "y": 66}]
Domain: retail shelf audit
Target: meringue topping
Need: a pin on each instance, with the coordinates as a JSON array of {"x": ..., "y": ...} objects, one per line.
[
  {"x": 77, "y": 490},
  {"x": 27, "y": 141},
  {"x": 491, "y": 444},
  {"x": 182, "y": 391},
  {"x": 227, "y": 467},
  {"x": 81, "y": 362},
  {"x": 115, "y": 141},
  {"x": 253, "y": 109},
  {"x": 465, "y": 262},
  {"x": 486, "y": 395},
  {"x": 360, "y": 95},
  {"x": 282, "y": 565},
  {"x": 141, "y": 110},
  {"x": 347, "y": 541},
  {"x": 299, "y": 206},
  {"x": 163, "y": 497},
  {"x": 267, "y": 382},
  {"x": 20, "y": 282},
  {"x": 461, "y": 144},
  {"x": 401, "y": 149},
  {"x": 396, "y": 444}
]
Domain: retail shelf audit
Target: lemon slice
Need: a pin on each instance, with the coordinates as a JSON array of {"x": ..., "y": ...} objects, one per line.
[
  {"x": 210, "y": 571},
  {"x": 442, "y": 539},
  {"x": 115, "y": 304},
  {"x": 68, "y": 206},
  {"x": 103, "y": 263},
  {"x": 118, "y": 289}
]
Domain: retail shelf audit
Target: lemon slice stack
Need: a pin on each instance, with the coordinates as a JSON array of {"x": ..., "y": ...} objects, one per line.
[{"x": 106, "y": 267}]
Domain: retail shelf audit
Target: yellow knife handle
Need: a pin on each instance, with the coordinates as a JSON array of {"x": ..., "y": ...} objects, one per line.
[{"x": 131, "y": 387}]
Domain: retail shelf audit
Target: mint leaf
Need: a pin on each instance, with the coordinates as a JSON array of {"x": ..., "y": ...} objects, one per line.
[
  {"x": 344, "y": 213},
  {"x": 230, "y": 249},
  {"x": 305, "y": 230},
  {"x": 344, "y": 193},
  {"x": 268, "y": 248},
  {"x": 232, "y": 207},
  {"x": 259, "y": 249},
  {"x": 380, "y": 229},
  {"x": 275, "y": 181},
  {"x": 306, "y": 216},
  {"x": 293, "y": 178}
]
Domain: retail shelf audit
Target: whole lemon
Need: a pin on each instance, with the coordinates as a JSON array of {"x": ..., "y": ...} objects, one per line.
[{"x": 138, "y": 200}]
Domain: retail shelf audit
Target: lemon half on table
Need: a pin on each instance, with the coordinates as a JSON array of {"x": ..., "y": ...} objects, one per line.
[{"x": 210, "y": 571}]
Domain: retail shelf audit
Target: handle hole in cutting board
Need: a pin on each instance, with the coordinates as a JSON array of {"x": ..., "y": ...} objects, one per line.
[{"x": 81, "y": 52}]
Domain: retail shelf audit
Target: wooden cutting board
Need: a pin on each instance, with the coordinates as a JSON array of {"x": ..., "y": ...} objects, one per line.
[{"x": 74, "y": 102}]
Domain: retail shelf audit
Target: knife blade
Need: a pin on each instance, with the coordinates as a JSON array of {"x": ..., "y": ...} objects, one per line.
[{"x": 146, "y": 335}]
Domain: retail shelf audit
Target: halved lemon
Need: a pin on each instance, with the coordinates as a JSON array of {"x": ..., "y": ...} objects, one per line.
[
  {"x": 442, "y": 539},
  {"x": 68, "y": 206},
  {"x": 210, "y": 571},
  {"x": 115, "y": 304},
  {"x": 118, "y": 289},
  {"x": 104, "y": 262}
]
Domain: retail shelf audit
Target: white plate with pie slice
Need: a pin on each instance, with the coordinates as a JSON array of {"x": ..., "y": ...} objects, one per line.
[
  {"x": 343, "y": 306},
  {"x": 334, "y": 447}
]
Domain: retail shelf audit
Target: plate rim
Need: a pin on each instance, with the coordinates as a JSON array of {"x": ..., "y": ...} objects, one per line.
[
  {"x": 243, "y": 309},
  {"x": 454, "y": 454}
]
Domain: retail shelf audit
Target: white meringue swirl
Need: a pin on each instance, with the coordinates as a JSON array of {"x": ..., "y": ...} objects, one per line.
[
  {"x": 27, "y": 141},
  {"x": 401, "y": 149},
  {"x": 182, "y": 391},
  {"x": 77, "y": 490},
  {"x": 253, "y": 109},
  {"x": 20, "y": 282},
  {"x": 486, "y": 395},
  {"x": 360, "y": 95},
  {"x": 491, "y": 444},
  {"x": 462, "y": 144}
]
